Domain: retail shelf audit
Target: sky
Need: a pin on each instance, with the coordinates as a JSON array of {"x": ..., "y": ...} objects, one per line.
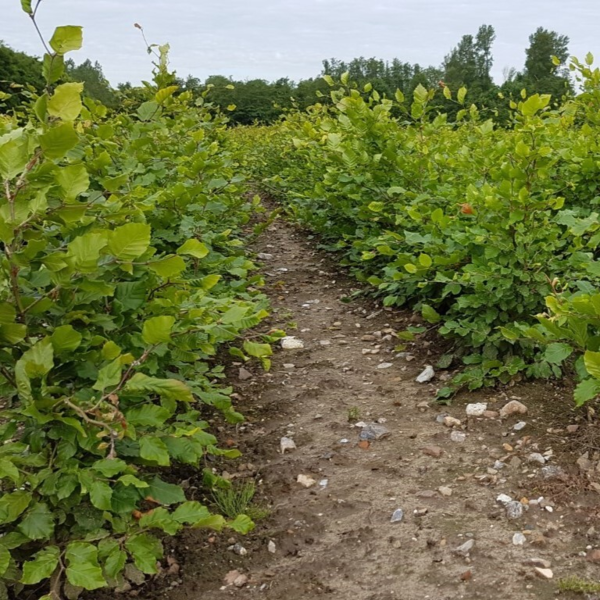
[{"x": 269, "y": 39}]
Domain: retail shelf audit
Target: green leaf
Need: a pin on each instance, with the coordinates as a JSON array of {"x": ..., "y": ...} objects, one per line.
[
  {"x": 234, "y": 314},
  {"x": 67, "y": 39},
  {"x": 57, "y": 141},
  {"x": 14, "y": 156},
  {"x": 461, "y": 94},
  {"x": 101, "y": 495},
  {"x": 115, "y": 562},
  {"x": 73, "y": 181},
  {"x": 171, "y": 266},
  {"x": 13, "y": 505},
  {"x": 165, "y": 93},
  {"x": 83, "y": 569},
  {"x": 128, "y": 480},
  {"x": 53, "y": 68},
  {"x": 13, "y": 333},
  {"x": 430, "y": 314},
  {"x": 109, "y": 376},
  {"x": 38, "y": 523},
  {"x": 129, "y": 241},
  {"x": 210, "y": 281},
  {"x": 84, "y": 251},
  {"x": 109, "y": 467},
  {"x": 556, "y": 353},
  {"x": 8, "y": 470},
  {"x": 26, "y": 6},
  {"x": 5, "y": 560},
  {"x": 193, "y": 248},
  {"x": 160, "y": 518},
  {"x": 242, "y": 524},
  {"x": 131, "y": 295},
  {"x": 257, "y": 350},
  {"x": 158, "y": 329},
  {"x": 65, "y": 339},
  {"x": 65, "y": 103},
  {"x": 145, "y": 550},
  {"x": 587, "y": 390},
  {"x": 148, "y": 415},
  {"x": 190, "y": 513},
  {"x": 165, "y": 493},
  {"x": 148, "y": 110},
  {"x": 592, "y": 363},
  {"x": 42, "y": 566},
  {"x": 425, "y": 260},
  {"x": 8, "y": 313},
  {"x": 39, "y": 359},
  {"x": 167, "y": 388},
  {"x": 376, "y": 206},
  {"x": 215, "y": 522},
  {"x": 154, "y": 450}
]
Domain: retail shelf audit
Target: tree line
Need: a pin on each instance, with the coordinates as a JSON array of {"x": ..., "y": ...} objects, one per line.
[{"x": 468, "y": 64}]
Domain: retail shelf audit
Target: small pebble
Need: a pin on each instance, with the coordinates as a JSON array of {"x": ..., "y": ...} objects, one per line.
[
  {"x": 514, "y": 510},
  {"x": 476, "y": 410},
  {"x": 397, "y": 516},
  {"x": 458, "y": 436}
]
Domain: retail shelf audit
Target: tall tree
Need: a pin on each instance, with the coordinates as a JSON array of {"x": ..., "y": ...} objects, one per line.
[
  {"x": 471, "y": 61},
  {"x": 541, "y": 73},
  {"x": 96, "y": 86}
]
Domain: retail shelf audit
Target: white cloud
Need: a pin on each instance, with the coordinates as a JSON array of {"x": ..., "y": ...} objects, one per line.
[{"x": 276, "y": 38}]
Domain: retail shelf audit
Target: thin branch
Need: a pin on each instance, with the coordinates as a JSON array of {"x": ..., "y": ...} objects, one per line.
[{"x": 32, "y": 16}]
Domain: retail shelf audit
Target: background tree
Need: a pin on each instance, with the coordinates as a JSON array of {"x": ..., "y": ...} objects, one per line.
[
  {"x": 541, "y": 74},
  {"x": 18, "y": 68},
  {"x": 96, "y": 86},
  {"x": 470, "y": 63}
]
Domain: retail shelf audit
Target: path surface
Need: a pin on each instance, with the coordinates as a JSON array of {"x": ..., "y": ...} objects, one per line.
[{"x": 336, "y": 540}]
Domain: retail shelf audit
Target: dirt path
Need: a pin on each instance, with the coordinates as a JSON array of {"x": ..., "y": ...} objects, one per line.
[{"x": 335, "y": 538}]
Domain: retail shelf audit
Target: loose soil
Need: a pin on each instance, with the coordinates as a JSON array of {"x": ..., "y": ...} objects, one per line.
[{"x": 335, "y": 539}]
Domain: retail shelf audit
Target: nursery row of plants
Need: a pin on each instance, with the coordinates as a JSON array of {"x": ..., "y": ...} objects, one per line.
[
  {"x": 491, "y": 232},
  {"x": 122, "y": 274},
  {"x": 124, "y": 278}
]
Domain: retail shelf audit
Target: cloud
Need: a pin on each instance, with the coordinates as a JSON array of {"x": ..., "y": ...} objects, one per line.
[{"x": 276, "y": 38}]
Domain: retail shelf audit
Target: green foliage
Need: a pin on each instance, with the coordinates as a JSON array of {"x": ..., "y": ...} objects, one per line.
[
  {"x": 578, "y": 585},
  {"x": 545, "y": 63},
  {"x": 122, "y": 273},
  {"x": 95, "y": 84},
  {"x": 234, "y": 501},
  {"x": 18, "y": 70},
  {"x": 466, "y": 223}
]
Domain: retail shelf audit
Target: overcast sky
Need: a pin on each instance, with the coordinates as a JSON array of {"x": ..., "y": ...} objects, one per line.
[{"x": 269, "y": 39}]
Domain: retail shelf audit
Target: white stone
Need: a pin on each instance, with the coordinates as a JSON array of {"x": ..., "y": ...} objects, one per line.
[
  {"x": 518, "y": 539},
  {"x": 458, "y": 436},
  {"x": 504, "y": 499},
  {"x": 290, "y": 342},
  {"x": 536, "y": 457},
  {"x": 477, "y": 409},
  {"x": 287, "y": 443},
  {"x": 544, "y": 573},
  {"x": 426, "y": 375},
  {"x": 305, "y": 481}
]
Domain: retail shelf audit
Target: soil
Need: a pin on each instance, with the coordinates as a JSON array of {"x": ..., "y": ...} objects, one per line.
[{"x": 335, "y": 539}]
